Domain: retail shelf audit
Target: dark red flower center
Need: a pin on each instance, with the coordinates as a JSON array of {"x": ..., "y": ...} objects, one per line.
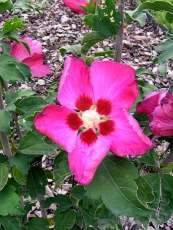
[
  {"x": 88, "y": 136},
  {"x": 74, "y": 121},
  {"x": 84, "y": 103},
  {"x": 106, "y": 127},
  {"x": 104, "y": 107},
  {"x": 92, "y": 119}
]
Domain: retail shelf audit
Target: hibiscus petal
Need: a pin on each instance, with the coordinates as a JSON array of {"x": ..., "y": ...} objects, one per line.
[
  {"x": 115, "y": 82},
  {"x": 162, "y": 122},
  {"x": 76, "y": 5},
  {"x": 35, "y": 63},
  {"x": 150, "y": 102},
  {"x": 20, "y": 52},
  {"x": 51, "y": 122},
  {"x": 74, "y": 82},
  {"x": 85, "y": 159},
  {"x": 128, "y": 138}
]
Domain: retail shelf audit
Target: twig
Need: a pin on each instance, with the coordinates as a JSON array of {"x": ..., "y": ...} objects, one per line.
[
  {"x": 119, "y": 36},
  {"x": 3, "y": 136}
]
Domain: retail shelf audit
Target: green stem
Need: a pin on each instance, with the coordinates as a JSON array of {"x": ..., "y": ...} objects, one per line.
[
  {"x": 15, "y": 117},
  {"x": 160, "y": 192},
  {"x": 119, "y": 36},
  {"x": 3, "y": 136},
  {"x": 43, "y": 210}
]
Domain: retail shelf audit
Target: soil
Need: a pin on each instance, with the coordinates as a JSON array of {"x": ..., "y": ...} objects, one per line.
[{"x": 57, "y": 26}]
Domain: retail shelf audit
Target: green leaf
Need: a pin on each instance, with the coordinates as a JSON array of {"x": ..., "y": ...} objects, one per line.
[
  {"x": 4, "y": 46},
  {"x": 73, "y": 49},
  {"x": 23, "y": 5},
  {"x": 166, "y": 45},
  {"x": 26, "y": 122},
  {"x": 104, "y": 22},
  {"x": 162, "y": 11},
  {"x": 11, "y": 97},
  {"x": 78, "y": 192},
  {"x": 162, "y": 186},
  {"x": 61, "y": 170},
  {"x": 10, "y": 223},
  {"x": 21, "y": 162},
  {"x": 28, "y": 5},
  {"x": 3, "y": 175},
  {"x": 90, "y": 40},
  {"x": 115, "y": 184},
  {"x": 64, "y": 202},
  {"x": 163, "y": 69},
  {"x": 5, "y": 119},
  {"x": 12, "y": 25},
  {"x": 140, "y": 17},
  {"x": 3, "y": 159},
  {"x": 9, "y": 201},
  {"x": 142, "y": 71},
  {"x": 166, "y": 55},
  {"x": 34, "y": 144},
  {"x": 165, "y": 19},
  {"x": 95, "y": 214},
  {"x": 167, "y": 167},
  {"x": 30, "y": 105},
  {"x": 18, "y": 176},
  {"x": 149, "y": 159},
  {"x": 90, "y": 8},
  {"x": 5, "y": 5},
  {"x": 144, "y": 192},
  {"x": 65, "y": 220},
  {"x": 37, "y": 224},
  {"x": 166, "y": 51},
  {"x": 24, "y": 70},
  {"x": 36, "y": 182},
  {"x": 12, "y": 70},
  {"x": 157, "y": 5}
]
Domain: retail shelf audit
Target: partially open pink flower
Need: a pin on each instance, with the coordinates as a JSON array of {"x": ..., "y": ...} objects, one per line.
[
  {"x": 33, "y": 59},
  {"x": 76, "y": 5},
  {"x": 93, "y": 117},
  {"x": 159, "y": 108}
]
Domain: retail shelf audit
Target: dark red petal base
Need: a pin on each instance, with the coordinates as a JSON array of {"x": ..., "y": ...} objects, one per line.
[
  {"x": 88, "y": 137},
  {"x": 104, "y": 107},
  {"x": 106, "y": 127},
  {"x": 84, "y": 103},
  {"x": 74, "y": 121}
]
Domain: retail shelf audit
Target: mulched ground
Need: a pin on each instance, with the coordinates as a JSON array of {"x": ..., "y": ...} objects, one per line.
[{"x": 57, "y": 26}]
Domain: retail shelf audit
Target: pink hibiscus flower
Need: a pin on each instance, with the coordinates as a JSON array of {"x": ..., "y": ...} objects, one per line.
[
  {"x": 93, "y": 117},
  {"x": 33, "y": 59},
  {"x": 158, "y": 106},
  {"x": 76, "y": 5}
]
